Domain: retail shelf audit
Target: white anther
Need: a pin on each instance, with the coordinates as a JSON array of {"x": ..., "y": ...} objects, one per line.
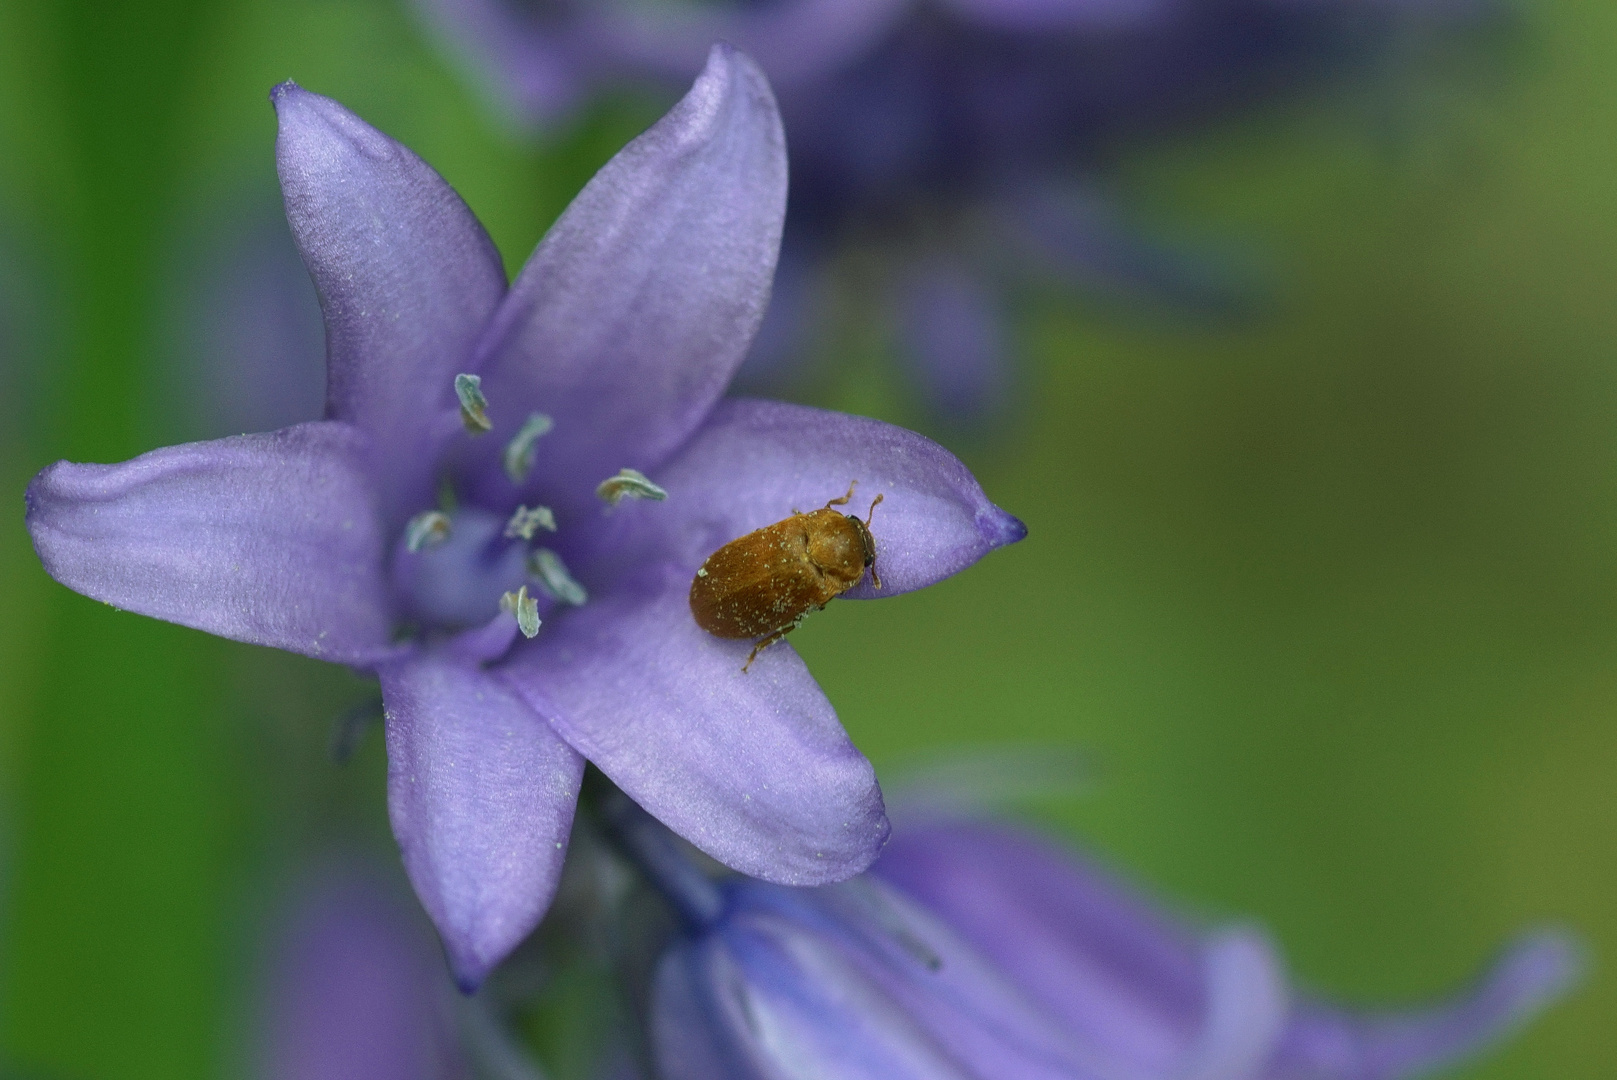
[
  {"x": 473, "y": 405},
  {"x": 427, "y": 529},
  {"x": 547, "y": 566},
  {"x": 520, "y": 451},
  {"x": 524, "y": 523},
  {"x": 631, "y": 484},
  {"x": 525, "y": 608}
]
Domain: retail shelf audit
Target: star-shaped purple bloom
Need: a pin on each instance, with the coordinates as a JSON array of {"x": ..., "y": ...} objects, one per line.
[
  {"x": 387, "y": 536},
  {"x": 980, "y": 950}
]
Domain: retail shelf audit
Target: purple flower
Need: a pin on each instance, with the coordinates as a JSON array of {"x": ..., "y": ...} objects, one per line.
[
  {"x": 944, "y": 134},
  {"x": 353, "y": 991},
  {"x": 390, "y": 538},
  {"x": 981, "y": 951}
]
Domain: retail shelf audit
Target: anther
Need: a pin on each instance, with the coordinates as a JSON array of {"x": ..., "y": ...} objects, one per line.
[
  {"x": 524, "y": 523},
  {"x": 473, "y": 405},
  {"x": 631, "y": 484},
  {"x": 520, "y": 451},
  {"x": 427, "y": 529},
  {"x": 547, "y": 566},
  {"x": 525, "y": 608}
]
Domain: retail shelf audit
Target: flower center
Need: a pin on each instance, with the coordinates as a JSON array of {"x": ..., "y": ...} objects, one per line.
[
  {"x": 458, "y": 567},
  {"x": 457, "y": 581}
]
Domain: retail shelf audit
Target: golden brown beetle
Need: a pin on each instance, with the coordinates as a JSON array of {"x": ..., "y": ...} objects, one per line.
[{"x": 767, "y": 582}]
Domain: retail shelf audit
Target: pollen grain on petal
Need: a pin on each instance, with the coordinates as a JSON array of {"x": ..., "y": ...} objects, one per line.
[
  {"x": 629, "y": 483},
  {"x": 473, "y": 405}
]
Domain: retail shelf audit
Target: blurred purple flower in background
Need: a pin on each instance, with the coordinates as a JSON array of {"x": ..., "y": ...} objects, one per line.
[
  {"x": 966, "y": 140},
  {"x": 354, "y": 990},
  {"x": 244, "y": 334},
  {"x": 981, "y": 950},
  {"x": 391, "y": 537}
]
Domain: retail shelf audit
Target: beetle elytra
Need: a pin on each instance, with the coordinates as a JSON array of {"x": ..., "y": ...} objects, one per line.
[{"x": 765, "y": 583}]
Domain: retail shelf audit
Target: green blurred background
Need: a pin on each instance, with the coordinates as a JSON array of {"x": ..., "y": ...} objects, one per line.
[{"x": 1328, "y": 600}]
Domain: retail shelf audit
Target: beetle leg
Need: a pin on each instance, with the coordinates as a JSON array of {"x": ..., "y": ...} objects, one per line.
[
  {"x": 764, "y": 644},
  {"x": 777, "y": 636},
  {"x": 846, "y": 498}
]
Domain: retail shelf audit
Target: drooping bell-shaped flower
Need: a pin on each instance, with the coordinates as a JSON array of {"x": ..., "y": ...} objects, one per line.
[
  {"x": 984, "y": 952},
  {"x": 552, "y": 460}
]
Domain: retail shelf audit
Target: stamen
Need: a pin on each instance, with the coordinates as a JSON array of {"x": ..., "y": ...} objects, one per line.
[
  {"x": 547, "y": 566},
  {"x": 427, "y": 529},
  {"x": 630, "y": 483},
  {"x": 524, "y": 523},
  {"x": 525, "y": 608},
  {"x": 520, "y": 451},
  {"x": 473, "y": 405}
]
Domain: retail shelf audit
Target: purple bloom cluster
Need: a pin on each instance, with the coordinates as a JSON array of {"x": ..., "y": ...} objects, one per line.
[
  {"x": 950, "y": 134},
  {"x": 478, "y": 446},
  {"x": 982, "y": 951}
]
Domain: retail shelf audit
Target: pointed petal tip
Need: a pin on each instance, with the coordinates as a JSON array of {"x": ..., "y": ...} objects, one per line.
[
  {"x": 307, "y": 121},
  {"x": 729, "y": 75},
  {"x": 468, "y": 971},
  {"x": 1539, "y": 968},
  {"x": 999, "y": 528},
  {"x": 1246, "y": 1009}
]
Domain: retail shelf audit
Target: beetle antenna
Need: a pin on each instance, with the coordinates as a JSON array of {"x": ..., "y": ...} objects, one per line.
[
  {"x": 844, "y": 500},
  {"x": 875, "y": 578}
]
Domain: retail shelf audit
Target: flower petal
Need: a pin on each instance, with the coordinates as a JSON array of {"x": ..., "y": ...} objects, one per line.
[
  {"x": 754, "y": 462},
  {"x": 1246, "y": 1007},
  {"x": 272, "y": 539},
  {"x": 406, "y": 275},
  {"x": 354, "y": 988},
  {"x": 685, "y": 1029},
  {"x": 1124, "y": 979},
  {"x": 638, "y": 305},
  {"x": 1533, "y": 973},
  {"x": 481, "y": 794},
  {"x": 768, "y": 997},
  {"x": 753, "y": 768}
]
